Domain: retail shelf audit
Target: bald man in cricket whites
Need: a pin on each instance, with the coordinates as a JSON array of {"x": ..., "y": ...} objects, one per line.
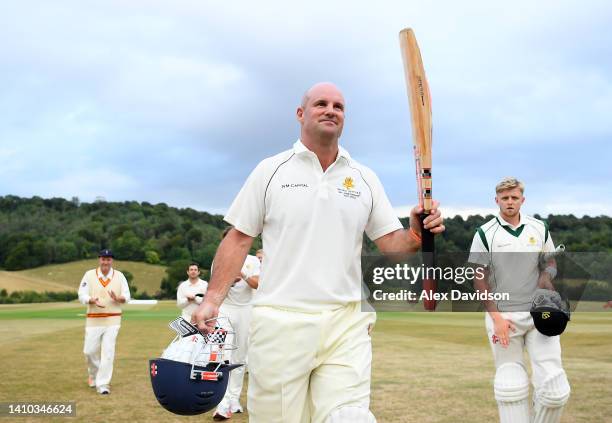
[
  {"x": 508, "y": 248},
  {"x": 103, "y": 290},
  {"x": 310, "y": 350}
]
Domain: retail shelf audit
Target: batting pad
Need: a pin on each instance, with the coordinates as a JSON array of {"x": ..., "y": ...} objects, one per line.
[
  {"x": 511, "y": 388},
  {"x": 550, "y": 398}
]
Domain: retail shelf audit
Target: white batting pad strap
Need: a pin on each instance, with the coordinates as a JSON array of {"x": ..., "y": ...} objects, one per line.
[
  {"x": 351, "y": 414},
  {"x": 554, "y": 391},
  {"x": 511, "y": 383}
]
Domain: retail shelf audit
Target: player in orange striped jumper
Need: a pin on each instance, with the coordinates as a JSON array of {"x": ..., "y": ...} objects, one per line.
[{"x": 103, "y": 290}]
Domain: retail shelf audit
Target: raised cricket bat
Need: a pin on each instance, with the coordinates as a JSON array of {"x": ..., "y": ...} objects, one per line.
[{"x": 420, "y": 111}]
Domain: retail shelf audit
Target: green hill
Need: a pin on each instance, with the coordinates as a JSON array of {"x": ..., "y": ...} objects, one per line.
[
  {"x": 36, "y": 231},
  {"x": 67, "y": 276}
]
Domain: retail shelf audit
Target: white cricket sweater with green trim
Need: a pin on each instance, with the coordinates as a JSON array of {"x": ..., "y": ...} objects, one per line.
[{"x": 511, "y": 253}]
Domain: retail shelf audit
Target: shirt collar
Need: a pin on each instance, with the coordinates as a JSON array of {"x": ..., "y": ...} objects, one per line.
[
  {"x": 505, "y": 223},
  {"x": 300, "y": 148},
  {"x": 110, "y": 273}
]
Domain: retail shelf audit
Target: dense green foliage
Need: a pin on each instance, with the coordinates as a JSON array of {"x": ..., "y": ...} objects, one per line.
[
  {"x": 18, "y": 297},
  {"x": 36, "y": 231},
  {"x": 586, "y": 234}
]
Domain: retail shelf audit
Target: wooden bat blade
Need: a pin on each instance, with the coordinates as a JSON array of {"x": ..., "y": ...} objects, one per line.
[{"x": 420, "y": 111}]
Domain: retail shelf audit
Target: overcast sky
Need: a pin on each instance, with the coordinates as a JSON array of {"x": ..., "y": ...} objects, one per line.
[{"x": 177, "y": 102}]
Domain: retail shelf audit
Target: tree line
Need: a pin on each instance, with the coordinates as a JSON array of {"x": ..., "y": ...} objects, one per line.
[{"x": 36, "y": 231}]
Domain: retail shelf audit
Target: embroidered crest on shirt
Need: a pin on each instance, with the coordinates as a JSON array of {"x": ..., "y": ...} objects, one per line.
[
  {"x": 348, "y": 191},
  {"x": 348, "y": 183}
]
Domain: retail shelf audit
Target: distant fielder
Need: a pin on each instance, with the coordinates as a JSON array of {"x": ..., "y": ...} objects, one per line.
[
  {"x": 191, "y": 292},
  {"x": 103, "y": 290},
  {"x": 503, "y": 246}
]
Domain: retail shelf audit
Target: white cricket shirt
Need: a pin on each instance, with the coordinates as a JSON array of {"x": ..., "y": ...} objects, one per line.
[
  {"x": 186, "y": 288},
  {"x": 312, "y": 225},
  {"x": 241, "y": 293},
  {"x": 512, "y": 254}
]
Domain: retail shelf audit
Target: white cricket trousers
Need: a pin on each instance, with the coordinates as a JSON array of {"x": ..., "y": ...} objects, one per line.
[
  {"x": 99, "y": 350},
  {"x": 544, "y": 351},
  {"x": 302, "y": 366},
  {"x": 240, "y": 319}
]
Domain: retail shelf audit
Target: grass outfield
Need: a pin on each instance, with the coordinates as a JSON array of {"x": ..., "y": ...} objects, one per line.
[
  {"x": 427, "y": 367},
  {"x": 67, "y": 276}
]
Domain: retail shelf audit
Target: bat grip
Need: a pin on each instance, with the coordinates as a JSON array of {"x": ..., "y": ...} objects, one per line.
[
  {"x": 428, "y": 247},
  {"x": 428, "y": 244}
]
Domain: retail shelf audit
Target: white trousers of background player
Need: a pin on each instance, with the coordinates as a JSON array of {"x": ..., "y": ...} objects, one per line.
[
  {"x": 99, "y": 350},
  {"x": 240, "y": 318},
  {"x": 551, "y": 388}
]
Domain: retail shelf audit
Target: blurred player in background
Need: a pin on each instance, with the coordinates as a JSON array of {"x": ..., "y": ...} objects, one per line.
[
  {"x": 190, "y": 293},
  {"x": 103, "y": 290}
]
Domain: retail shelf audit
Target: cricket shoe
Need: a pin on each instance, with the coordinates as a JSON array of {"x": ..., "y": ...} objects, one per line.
[
  {"x": 91, "y": 382},
  {"x": 235, "y": 407},
  {"x": 222, "y": 413},
  {"x": 104, "y": 390}
]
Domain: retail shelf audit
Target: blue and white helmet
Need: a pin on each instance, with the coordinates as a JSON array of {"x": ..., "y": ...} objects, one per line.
[{"x": 192, "y": 374}]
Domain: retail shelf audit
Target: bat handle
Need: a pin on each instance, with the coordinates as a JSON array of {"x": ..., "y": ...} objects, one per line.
[
  {"x": 428, "y": 244},
  {"x": 428, "y": 248}
]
